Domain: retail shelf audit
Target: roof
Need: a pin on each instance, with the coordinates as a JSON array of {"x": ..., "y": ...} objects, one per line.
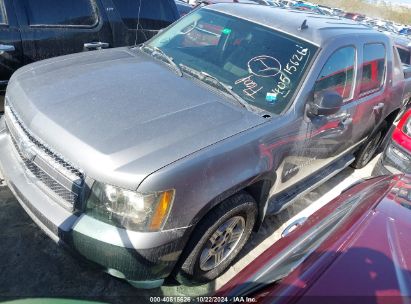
[
  {"x": 401, "y": 41},
  {"x": 320, "y": 27}
]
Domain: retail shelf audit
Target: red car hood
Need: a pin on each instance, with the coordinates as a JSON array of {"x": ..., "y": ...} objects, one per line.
[
  {"x": 375, "y": 262},
  {"x": 369, "y": 256}
]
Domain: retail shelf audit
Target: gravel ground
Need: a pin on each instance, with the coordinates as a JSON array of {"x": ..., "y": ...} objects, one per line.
[{"x": 32, "y": 265}]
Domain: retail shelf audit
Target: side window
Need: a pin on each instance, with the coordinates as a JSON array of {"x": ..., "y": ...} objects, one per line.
[
  {"x": 373, "y": 68},
  {"x": 338, "y": 73},
  {"x": 60, "y": 13},
  {"x": 405, "y": 55},
  {"x": 3, "y": 15},
  {"x": 154, "y": 14},
  {"x": 398, "y": 72}
]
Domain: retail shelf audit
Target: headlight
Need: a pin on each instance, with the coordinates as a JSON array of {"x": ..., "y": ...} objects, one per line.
[{"x": 128, "y": 209}]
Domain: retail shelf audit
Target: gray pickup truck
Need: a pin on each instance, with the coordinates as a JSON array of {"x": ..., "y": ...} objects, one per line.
[{"x": 160, "y": 159}]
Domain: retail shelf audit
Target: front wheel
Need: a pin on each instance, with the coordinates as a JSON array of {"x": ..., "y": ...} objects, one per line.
[{"x": 218, "y": 239}]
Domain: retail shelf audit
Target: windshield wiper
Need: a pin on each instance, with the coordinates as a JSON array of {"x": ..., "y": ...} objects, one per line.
[
  {"x": 203, "y": 75},
  {"x": 155, "y": 51},
  {"x": 229, "y": 89}
]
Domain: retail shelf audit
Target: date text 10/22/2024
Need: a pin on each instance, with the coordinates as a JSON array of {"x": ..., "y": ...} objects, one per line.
[{"x": 202, "y": 299}]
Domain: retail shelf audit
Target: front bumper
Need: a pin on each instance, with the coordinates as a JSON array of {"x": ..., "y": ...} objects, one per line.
[{"x": 134, "y": 256}]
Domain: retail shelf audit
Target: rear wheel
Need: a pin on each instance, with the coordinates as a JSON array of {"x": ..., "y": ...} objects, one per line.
[
  {"x": 218, "y": 239},
  {"x": 367, "y": 151}
]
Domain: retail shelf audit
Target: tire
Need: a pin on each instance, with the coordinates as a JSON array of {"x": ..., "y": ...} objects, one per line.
[
  {"x": 367, "y": 151},
  {"x": 196, "y": 263}
]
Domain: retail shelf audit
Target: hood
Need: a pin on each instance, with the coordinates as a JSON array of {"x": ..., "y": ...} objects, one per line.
[
  {"x": 120, "y": 115},
  {"x": 376, "y": 260},
  {"x": 368, "y": 255}
]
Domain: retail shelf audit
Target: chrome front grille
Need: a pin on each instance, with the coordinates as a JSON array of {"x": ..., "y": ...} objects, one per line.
[{"x": 54, "y": 175}]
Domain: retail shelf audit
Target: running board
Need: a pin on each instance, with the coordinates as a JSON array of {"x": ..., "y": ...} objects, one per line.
[{"x": 283, "y": 200}]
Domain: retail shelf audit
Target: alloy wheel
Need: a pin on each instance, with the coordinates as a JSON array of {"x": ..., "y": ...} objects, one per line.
[{"x": 222, "y": 243}]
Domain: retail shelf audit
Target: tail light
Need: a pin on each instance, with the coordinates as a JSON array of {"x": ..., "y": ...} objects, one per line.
[
  {"x": 402, "y": 133},
  {"x": 407, "y": 127}
]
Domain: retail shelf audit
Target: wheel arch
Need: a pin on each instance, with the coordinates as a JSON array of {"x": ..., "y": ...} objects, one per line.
[
  {"x": 390, "y": 118},
  {"x": 258, "y": 187}
]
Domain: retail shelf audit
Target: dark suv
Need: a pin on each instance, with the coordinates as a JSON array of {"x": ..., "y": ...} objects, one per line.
[
  {"x": 33, "y": 30},
  {"x": 162, "y": 158}
]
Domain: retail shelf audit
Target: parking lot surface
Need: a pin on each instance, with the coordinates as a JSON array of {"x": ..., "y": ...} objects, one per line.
[{"x": 32, "y": 265}]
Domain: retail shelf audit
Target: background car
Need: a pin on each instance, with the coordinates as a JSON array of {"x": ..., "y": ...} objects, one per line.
[
  {"x": 268, "y": 3},
  {"x": 40, "y": 29},
  {"x": 354, "y": 16},
  {"x": 405, "y": 31},
  {"x": 275, "y": 3},
  {"x": 338, "y": 12},
  {"x": 208, "y": 2},
  {"x": 308, "y": 8},
  {"x": 326, "y": 9},
  {"x": 397, "y": 154},
  {"x": 183, "y": 7},
  {"x": 356, "y": 249}
]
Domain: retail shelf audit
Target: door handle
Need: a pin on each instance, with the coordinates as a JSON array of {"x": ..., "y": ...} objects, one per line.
[
  {"x": 378, "y": 107},
  {"x": 96, "y": 45},
  {"x": 345, "y": 123},
  {"x": 345, "y": 120},
  {"x": 344, "y": 116},
  {"x": 290, "y": 228},
  {"x": 5, "y": 48}
]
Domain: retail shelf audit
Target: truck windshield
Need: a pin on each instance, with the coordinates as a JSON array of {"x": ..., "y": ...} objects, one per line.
[{"x": 261, "y": 65}]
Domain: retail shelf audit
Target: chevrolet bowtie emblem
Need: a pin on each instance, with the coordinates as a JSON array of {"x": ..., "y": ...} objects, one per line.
[{"x": 27, "y": 150}]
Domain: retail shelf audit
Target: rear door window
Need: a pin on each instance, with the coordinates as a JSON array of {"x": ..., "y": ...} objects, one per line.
[
  {"x": 398, "y": 72},
  {"x": 405, "y": 55},
  {"x": 338, "y": 73},
  {"x": 373, "y": 68},
  {"x": 154, "y": 14},
  {"x": 61, "y": 13}
]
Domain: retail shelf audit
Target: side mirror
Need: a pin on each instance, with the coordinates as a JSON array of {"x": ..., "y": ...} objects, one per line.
[{"x": 326, "y": 103}]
